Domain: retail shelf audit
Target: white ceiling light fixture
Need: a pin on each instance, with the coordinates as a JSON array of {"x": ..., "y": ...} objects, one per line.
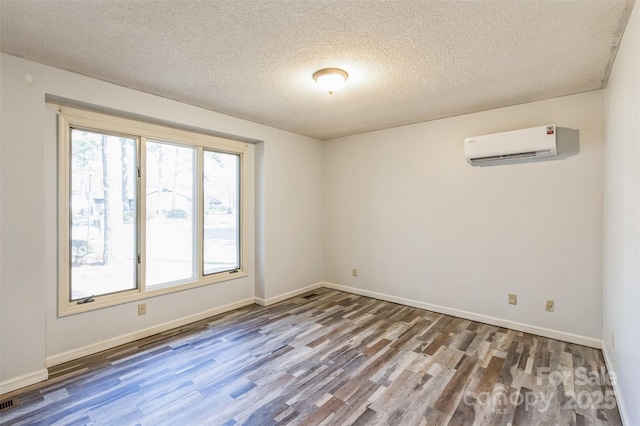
[{"x": 331, "y": 79}]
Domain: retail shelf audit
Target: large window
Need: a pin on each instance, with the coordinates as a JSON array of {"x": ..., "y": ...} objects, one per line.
[{"x": 144, "y": 209}]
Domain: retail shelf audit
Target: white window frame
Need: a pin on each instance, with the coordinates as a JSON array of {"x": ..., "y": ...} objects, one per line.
[{"x": 69, "y": 118}]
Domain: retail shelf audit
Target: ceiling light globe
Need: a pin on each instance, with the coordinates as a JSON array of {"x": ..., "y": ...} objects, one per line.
[{"x": 331, "y": 79}]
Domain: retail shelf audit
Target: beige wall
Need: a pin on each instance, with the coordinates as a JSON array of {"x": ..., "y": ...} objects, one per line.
[
  {"x": 400, "y": 205},
  {"x": 287, "y": 225},
  {"x": 419, "y": 223},
  {"x": 621, "y": 295}
]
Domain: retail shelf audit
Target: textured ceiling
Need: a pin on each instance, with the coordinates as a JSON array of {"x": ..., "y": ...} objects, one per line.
[{"x": 408, "y": 61}]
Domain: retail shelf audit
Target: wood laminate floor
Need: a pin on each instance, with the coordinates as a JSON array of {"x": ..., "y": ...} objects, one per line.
[{"x": 327, "y": 358}]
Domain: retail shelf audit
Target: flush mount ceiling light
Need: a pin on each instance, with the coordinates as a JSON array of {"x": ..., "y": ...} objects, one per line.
[{"x": 331, "y": 79}]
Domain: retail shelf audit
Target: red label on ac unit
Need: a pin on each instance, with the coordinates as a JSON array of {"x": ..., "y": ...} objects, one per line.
[{"x": 550, "y": 130}]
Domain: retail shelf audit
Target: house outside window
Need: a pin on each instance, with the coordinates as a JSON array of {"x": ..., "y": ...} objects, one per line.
[{"x": 145, "y": 209}]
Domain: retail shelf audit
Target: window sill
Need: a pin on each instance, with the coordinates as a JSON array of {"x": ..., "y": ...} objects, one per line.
[{"x": 100, "y": 302}]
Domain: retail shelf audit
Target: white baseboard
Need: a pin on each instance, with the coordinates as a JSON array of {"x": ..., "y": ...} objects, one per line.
[
  {"x": 545, "y": 332},
  {"x": 270, "y": 301},
  {"x": 616, "y": 388},
  {"x": 41, "y": 375},
  {"x": 23, "y": 381},
  {"x": 141, "y": 334}
]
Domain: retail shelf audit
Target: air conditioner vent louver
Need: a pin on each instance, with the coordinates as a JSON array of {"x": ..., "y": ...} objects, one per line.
[
  {"x": 511, "y": 156},
  {"x": 511, "y": 146}
]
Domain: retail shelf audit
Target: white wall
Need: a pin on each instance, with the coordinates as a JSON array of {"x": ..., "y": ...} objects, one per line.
[
  {"x": 30, "y": 331},
  {"x": 294, "y": 197},
  {"x": 621, "y": 295},
  {"x": 1, "y": 138},
  {"x": 23, "y": 298},
  {"x": 419, "y": 223},
  {"x": 401, "y": 205}
]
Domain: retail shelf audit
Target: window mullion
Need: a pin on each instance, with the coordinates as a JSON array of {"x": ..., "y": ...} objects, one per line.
[
  {"x": 142, "y": 213},
  {"x": 202, "y": 169},
  {"x": 199, "y": 214}
]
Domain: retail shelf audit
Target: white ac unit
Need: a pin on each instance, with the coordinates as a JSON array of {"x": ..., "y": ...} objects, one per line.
[{"x": 509, "y": 147}]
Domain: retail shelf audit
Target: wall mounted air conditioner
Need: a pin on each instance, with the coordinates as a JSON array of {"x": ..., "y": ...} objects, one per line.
[{"x": 510, "y": 147}]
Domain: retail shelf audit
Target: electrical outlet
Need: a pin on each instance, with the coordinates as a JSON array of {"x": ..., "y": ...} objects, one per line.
[
  {"x": 513, "y": 299},
  {"x": 142, "y": 309},
  {"x": 549, "y": 306},
  {"x": 354, "y": 272}
]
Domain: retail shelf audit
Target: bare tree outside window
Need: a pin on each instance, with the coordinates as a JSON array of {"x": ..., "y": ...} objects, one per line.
[
  {"x": 145, "y": 210},
  {"x": 103, "y": 249},
  {"x": 170, "y": 213}
]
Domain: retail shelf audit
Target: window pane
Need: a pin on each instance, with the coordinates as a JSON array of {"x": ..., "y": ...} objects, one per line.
[
  {"x": 103, "y": 202},
  {"x": 221, "y": 212},
  {"x": 170, "y": 200}
]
